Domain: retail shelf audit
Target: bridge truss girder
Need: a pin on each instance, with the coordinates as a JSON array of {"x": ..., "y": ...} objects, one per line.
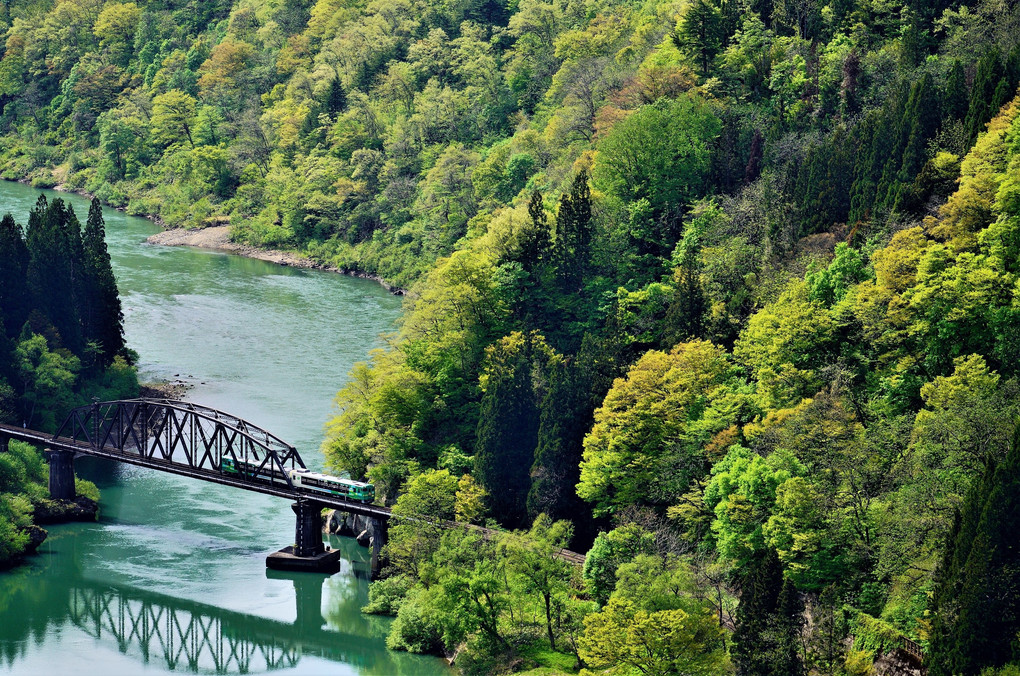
[{"x": 179, "y": 433}]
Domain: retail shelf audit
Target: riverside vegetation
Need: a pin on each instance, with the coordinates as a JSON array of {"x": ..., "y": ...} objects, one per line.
[
  {"x": 61, "y": 343},
  {"x": 723, "y": 292}
]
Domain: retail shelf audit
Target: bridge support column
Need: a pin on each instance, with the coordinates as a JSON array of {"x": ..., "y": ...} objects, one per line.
[
  {"x": 308, "y": 532},
  {"x": 307, "y": 553},
  {"x": 62, "y": 475},
  {"x": 380, "y": 535},
  {"x": 5, "y": 444}
]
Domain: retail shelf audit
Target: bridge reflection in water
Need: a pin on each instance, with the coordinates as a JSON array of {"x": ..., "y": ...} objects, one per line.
[
  {"x": 182, "y": 635},
  {"x": 194, "y": 637}
]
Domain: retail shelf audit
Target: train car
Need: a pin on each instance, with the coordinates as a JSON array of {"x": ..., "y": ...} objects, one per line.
[
  {"x": 352, "y": 490},
  {"x": 324, "y": 483},
  {"x": 269, "y": 472}
]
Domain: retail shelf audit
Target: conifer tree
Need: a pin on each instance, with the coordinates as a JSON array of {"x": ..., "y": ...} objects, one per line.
[
  {"x": 875, "y": 133},
  {"x": 573, "y": 234},
  {"x": 536, "y": 240},
  {"x": 685, "y": 317},
  {"x": 789, "y": 624},
  {"x": 954, "y": 93},
  {"x": 575, "y": 390},
  {"x": 508, "y": 423},
  {"x": 103, "y": 319},
  {"x": 922, "y": 121},
  {"x": 700, "y": 33},
  {"x": 900, "y": 112},
  {"x": 14, "y": 306},
  {"x": 54, "y": 268},
  {"x": 564, "y": 419},
  {"x": 976, "y": 603},
  {"x": 769, "y": 621},
  {"x": 336, "y": 98},
  {"x": 983, "y": 102}
]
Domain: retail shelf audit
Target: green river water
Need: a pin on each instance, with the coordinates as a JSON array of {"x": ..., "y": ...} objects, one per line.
[{"x": 172, "y": 578}]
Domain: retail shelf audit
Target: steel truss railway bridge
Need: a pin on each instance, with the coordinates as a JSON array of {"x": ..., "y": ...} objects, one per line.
[{"x": 192, "y": 440}]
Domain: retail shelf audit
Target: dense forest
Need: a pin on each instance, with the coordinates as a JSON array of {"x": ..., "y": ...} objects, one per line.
[
  {"x": 722, "y": 292},
  {"x": 61, "y": 344}
]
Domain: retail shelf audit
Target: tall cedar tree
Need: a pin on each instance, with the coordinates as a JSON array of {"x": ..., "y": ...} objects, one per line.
[
  {"x": 988, "y": 93},
  {"x": 954, "y": 93},
  {"x": 336, "y": 98},
  {"x": 575, "y": 389},
  {"x": 685, "y": 316},
  {"x": 769, "y": 621},
  {"x": 565, "y": 417},
  {"x": 508, "y": 432},
  {"x": 55, "y": 269},
  {"x": 976, "y": 604},
  {"x": 102, "y": 316},
  {"x": 572, "y": 246},
  {"x": 700, "y": 33},
  {"x": 14, "y": 305}
]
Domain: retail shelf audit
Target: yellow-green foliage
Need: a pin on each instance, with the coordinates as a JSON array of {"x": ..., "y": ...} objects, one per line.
[
  {"x": 22, "y": 479},
  {"x": 643, "y": 426},
  {"x": 970, "y": 209},
  {"x": 872, "y": 636}
]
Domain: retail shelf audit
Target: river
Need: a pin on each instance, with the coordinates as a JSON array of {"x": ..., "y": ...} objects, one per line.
[{"x": 172, "y": 578}]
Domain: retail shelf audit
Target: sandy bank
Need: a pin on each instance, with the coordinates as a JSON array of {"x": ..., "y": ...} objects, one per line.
[{"x": 218, "y": 238}]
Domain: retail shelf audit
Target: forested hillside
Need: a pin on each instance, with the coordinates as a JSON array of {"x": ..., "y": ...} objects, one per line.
[{"x": 729, "y": 286}]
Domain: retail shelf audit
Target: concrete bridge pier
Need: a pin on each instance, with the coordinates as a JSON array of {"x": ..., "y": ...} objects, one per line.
[
  {"x": 308, "y": 531},
  {"x": 5, "y": 444},
  {"x": 307, "y": 553},
  {"x": 379, "y": 531},
  {"x": 62, "y": 475}
]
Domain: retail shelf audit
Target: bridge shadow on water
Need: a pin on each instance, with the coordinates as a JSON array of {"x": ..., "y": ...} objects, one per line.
[{"x": 186, "y": 636}]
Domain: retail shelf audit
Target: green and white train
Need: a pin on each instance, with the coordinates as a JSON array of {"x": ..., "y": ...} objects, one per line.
[{"x": 323, "y": 483}]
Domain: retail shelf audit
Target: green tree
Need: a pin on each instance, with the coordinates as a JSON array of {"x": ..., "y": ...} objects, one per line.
[
  {"x": 785, "y": 344},
  {"x": 610, "y": 551},
  {"x": 699, "y": 33},
  {"x": 978, "y": 583},
  {"x": 513, "y": 384},
  {"x": 574, "y": 230},
  {"x": 14, "y": 297},
  {"x": 55, "y": 274},
  {"x": 115, "y": 28},
  {"x": 173, "y": 115},
  {"x": 767, "y": 636},
  {"x": 336, "y": 97},
  {"x": 47, "y": 379},
  {"x": 621, "y": 638},
  {"x": 102, "y": 316},
  {"x": 534, "y": 560},
  {"x": 575, "y": 388},
  {"x": 428, "y": 499},
  {"x": 660, "y": 153},
  {"x": 645, "y": 446}
]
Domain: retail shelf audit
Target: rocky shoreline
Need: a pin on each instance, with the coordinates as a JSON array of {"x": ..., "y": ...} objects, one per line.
[
  {"x": 336, "y": 522},
  {"x": 166, "y": 389},
  {"x": 217, "y": 237},
  {"x": 81, "y": 509}
]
